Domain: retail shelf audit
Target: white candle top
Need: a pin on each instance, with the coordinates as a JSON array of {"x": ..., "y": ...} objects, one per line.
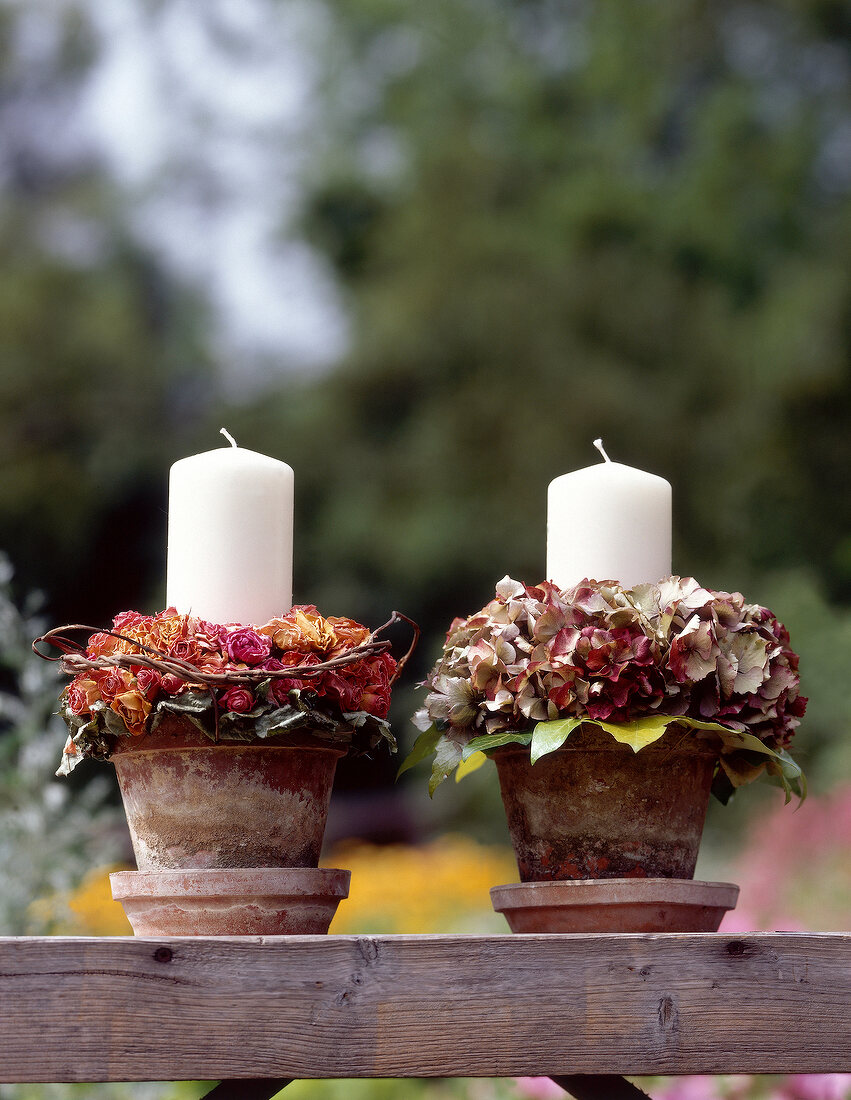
[
  {"x": 608, "y": 522},
  {"x": 230, "y": 536}
]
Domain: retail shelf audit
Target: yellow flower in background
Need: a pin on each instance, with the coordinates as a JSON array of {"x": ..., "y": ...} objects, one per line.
[
  {"x": 442, "y": 886},
  {"x": 94, "y": 911},
  {"x": 87, "y": 911}
]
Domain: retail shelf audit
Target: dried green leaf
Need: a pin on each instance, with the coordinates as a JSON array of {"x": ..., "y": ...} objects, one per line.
[
  {"x": 447, "y": 757},
  {"x": 640, "y": 733},
  {"x": 424, "y": 746},
  {"x": 489, "y": 741},
  {"x": 549, "y": 736},
  {"x": 470, "y": 764}
]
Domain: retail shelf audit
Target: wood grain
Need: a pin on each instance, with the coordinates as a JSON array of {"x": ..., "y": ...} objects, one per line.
[{"x": 404, "y": 1006}]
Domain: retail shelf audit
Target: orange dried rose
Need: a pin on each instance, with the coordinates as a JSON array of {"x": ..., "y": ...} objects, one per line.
[
  {"x": 132, "y": 625},
  {"x": 348, "y": 633},
  {"x": 133, "y": 709},
  {"x": 212, "y": 664},
  {"x": 271, "y": 629},
  {"x": 81, "y": 693},
  {"x": 302, "y": 628},
  {"x": 102, "y": 645},
  {"x": 167, "y": 628}
]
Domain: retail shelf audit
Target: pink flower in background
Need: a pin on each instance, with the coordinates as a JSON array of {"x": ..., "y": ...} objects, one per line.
[
  {"x": 539, "y": 1088},
  {"x": 689, "y": 1088},
  {"x": 700, "y": 1087},
  {"x": 248, "y": 646},
  {"x": 818, "y": 1086},
  {"x": 794, "y": 872}
]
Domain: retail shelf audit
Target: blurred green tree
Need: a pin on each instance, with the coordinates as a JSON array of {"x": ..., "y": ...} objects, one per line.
[
  {"x": 100, "y": 353},
  {"x": 557, "y": 221}
]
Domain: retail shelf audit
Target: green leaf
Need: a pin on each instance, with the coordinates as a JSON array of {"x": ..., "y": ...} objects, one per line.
[
  {"x": 640, "y": 733},
  {"x": 114, "y": 723},
  {"x": 424, "y": 746},
  {"x": 489, "y": 741},
  {"x": 194, "y": 705},
  {"x": 282, "y": 720},
  {"x": 189, "y": 702},
  {"x": 470, "y": 764},
  {"x": 721, "y": 787},
  {"x": 549, "y": 736},
  {"x": 376, "y": 727},
  {"x": 787, "y": 774},
  {"x": 741, "y": 770},
  {"x": 447, "y": 757}
]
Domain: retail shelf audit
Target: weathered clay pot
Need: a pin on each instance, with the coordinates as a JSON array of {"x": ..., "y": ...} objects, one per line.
[
  {"x": 615, "y": 905},
  {"x": 192, "y": 803},
  {"x": 594, "y": 809},
  {"x": 237, "y": 902}
]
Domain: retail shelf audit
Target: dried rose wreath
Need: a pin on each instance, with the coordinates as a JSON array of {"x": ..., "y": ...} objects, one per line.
[
  {"x": 538, "y": 662},
  {"x": 302, "y": 671}
]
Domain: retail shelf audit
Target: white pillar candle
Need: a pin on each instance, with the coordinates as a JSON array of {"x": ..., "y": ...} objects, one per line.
[
  {"x": 230, "y": 536},
  {"x": 608, "y": 522}
]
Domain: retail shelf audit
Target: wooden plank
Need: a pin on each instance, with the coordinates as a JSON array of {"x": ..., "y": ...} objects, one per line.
[{"x": 442, "y": 1006}]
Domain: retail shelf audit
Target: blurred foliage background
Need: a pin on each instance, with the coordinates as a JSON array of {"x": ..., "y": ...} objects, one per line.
[{"x": 425, "y": 254}]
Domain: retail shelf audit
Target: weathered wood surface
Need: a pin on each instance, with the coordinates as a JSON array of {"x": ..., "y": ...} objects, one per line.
[{"x": 443, "y": 1006}]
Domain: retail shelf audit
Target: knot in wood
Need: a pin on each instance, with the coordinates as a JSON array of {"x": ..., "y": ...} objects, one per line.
[{"x": 668, "y": 1014}]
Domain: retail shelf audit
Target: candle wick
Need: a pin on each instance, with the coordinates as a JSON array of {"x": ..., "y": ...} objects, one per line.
[
  {"x": 228, "y": 436},
  {"x": 598, "y": 443}
]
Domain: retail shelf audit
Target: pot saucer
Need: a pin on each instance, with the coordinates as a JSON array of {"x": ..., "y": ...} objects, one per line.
[
  {"x": 239, "y": 901},
  {"x": 615, "y": 905}
]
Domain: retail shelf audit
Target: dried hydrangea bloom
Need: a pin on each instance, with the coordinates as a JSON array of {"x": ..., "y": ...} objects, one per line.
[{"x": 603, "y": 652}]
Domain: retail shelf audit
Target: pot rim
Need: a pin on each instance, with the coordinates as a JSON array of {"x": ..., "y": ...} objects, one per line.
[
  {"x": 614, "y": 891},
  {"x": 277, "y": 882},
  {"x": 180, "y": 743}
]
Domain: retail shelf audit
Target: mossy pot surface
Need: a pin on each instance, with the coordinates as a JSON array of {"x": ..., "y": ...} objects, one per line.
[
  {"x": 594, "y": 809},
  {"x": 192, "y": 803}
]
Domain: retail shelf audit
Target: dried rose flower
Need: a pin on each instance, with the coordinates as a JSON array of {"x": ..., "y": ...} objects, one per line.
[{"x": 100, "y": 702}]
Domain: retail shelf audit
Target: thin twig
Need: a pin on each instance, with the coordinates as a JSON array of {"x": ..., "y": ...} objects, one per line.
[{"x": 73, "y": 659}]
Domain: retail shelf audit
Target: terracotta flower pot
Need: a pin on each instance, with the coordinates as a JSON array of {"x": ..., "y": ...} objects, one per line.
[
  {"x": 192, "y": 803},
  {"x": 595, "y": 809}
]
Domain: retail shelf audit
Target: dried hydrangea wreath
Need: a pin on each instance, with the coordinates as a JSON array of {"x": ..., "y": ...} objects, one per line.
[
  {"x": 537, "y": 662},
  {"x": 329, "y": 676}
]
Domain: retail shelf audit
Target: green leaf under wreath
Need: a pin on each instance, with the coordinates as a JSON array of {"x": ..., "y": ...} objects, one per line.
[
  {"x": 490, "y": 741},
  {"x": 423, "y": 748},
  {"x": 736, "y": 747},
  {"x": 742, "y": 756},
  {"x": 97, "y": 736}
]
